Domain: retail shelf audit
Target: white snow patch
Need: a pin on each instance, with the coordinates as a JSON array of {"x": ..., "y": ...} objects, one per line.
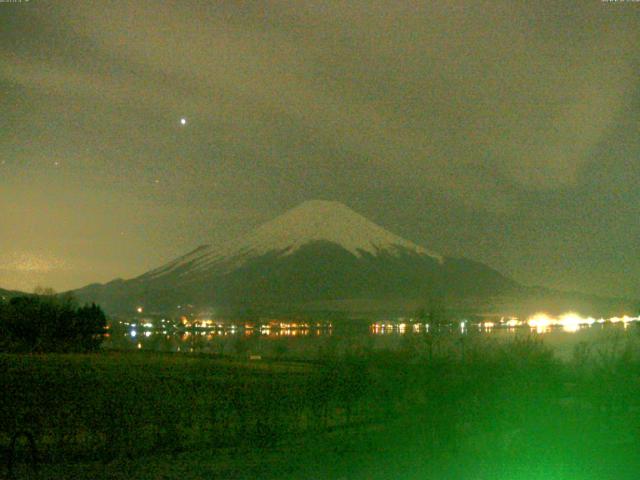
[{"x": 310, "y": 221}]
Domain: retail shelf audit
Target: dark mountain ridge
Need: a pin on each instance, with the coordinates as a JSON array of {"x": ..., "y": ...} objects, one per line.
[{"x": 319, "y": 255}]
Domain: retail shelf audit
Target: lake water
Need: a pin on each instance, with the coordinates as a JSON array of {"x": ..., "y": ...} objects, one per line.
[{"x": 311, "y": 341}]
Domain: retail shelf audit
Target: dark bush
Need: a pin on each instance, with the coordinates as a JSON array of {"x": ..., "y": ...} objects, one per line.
[{"x": 48, "y": 323}]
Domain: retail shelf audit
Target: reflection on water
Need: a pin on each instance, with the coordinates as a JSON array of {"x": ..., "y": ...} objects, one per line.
[{"x": 562, "y": 333}]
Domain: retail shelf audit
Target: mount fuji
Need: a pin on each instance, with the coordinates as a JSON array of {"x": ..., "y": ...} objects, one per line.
[{"x": 317, "y": 254}]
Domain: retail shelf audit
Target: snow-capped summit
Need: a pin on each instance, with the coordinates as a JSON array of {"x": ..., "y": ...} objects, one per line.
[
  {"x": 319, "y": 251},
  {"x": 311, "y": 221},
  {"x": 319, "y": 220}
]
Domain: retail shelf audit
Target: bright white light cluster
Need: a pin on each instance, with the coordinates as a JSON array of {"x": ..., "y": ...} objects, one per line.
[{"x": 571, "y": 321}]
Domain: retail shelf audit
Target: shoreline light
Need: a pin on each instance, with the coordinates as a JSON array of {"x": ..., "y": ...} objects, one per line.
[{"x": 541, "y": 322}]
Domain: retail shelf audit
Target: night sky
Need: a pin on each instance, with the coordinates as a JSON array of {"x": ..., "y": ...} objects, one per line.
[{"x": 504, "y": 131}]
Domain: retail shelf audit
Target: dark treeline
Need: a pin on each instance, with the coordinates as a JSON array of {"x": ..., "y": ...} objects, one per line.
[{"x": 50, "y": 323}]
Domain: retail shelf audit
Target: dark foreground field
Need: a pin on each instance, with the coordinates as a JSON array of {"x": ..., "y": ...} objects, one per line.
[{"x": 487, "y": 411}]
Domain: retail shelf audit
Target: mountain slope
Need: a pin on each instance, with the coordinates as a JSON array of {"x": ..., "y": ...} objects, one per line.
[
  {"x": 318, "y": 251},
  {"x": 312, "y": 221},
  {"x": 7, "y": 294}
]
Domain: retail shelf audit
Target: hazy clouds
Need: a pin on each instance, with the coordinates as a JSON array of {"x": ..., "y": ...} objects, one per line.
[{"x": 484, "y": 129}]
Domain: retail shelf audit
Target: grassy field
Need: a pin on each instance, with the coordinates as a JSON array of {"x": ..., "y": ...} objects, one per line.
[{"x": 508, "y": 411}]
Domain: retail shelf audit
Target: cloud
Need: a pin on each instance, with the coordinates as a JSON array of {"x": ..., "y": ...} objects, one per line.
[
  {"x": 416, "y": 93},
  {"x": 30, "y": 262},
  {"x": 466, "y": 110}
]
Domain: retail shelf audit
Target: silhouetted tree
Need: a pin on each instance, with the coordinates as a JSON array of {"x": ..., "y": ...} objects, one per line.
[
  {"x": 40, "y": 323},
  {"x": 435, "y": 315}
]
